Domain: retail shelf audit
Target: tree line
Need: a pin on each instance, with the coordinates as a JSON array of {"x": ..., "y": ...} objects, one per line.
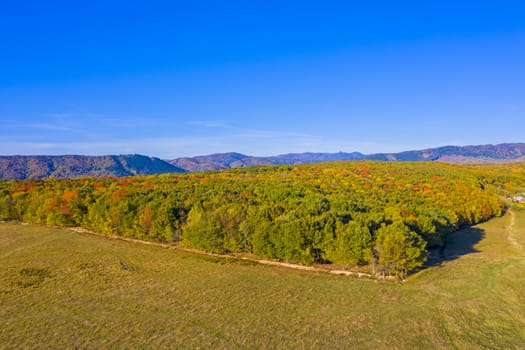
[{"x": 385, "y": 214}]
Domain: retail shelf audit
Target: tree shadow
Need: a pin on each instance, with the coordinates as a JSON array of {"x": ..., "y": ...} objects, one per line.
[{"x": 457, "y": 244}]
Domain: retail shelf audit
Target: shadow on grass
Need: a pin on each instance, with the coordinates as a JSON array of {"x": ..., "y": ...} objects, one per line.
[{"x": 458, "y": 244}]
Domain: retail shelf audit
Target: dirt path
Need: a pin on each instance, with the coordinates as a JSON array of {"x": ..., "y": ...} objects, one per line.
[
  {"x": 225, "y": 256},
  {"x": 510, "y": 229}
]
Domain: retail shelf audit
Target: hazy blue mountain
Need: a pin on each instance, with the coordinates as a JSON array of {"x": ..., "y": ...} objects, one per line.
[
  {"x": 236, "y": 160},
  {"x": 508, "y": 152},
  {"x": 71, "y": 166}
]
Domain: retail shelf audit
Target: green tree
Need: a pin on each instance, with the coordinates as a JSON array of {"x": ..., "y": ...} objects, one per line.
[
  {"x": 351, "y": 245},
  {"x": 203, "y": 231},
  {"x": 399, "y": 250}
]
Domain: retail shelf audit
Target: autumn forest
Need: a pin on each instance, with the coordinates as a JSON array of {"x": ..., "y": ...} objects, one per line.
[{"x": 385, "y": 215}]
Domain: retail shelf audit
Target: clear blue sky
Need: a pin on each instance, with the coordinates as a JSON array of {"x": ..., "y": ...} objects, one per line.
[{"x": 183, "y": 78}]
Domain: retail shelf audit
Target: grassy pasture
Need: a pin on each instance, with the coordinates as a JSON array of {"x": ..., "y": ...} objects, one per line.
[{"x": 61, "y": 289}]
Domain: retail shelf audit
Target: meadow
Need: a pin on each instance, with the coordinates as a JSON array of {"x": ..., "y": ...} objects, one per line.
[
  {"x": 62, "y": 289},
  {"x": 386, "y": 215}
]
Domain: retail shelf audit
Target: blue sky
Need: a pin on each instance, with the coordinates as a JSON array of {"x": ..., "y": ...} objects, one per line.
[{"x": 183, "y": 78}]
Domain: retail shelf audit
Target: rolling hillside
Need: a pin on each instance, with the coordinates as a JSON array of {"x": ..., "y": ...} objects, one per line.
[
  {"x": 386, "y": 215},
  {"x": 483, "y": 154},
  {"x": 221, "y": 161},
  {"x": 73, "y": 166}
]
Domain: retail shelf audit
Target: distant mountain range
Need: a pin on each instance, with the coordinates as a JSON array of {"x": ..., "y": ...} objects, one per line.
[
  {"x": 237, "y": 160},
  {"x": 485, "y": 154},
  {"x": 70, "y": 166}
]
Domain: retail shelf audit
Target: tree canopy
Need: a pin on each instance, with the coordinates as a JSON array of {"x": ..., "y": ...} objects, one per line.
[{"x": 388, "y": 214}]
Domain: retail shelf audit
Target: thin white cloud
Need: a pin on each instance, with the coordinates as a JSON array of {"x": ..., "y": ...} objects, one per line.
[
  {"x": 83, "y": 119},
  {"x": 90, "y": 133},
  {"x": 253, "y": 143},
  {"x": 209, "y": 124},
  {"x": 60, "y": 116},
  {"x": 247, "y": 133},
  {"x": 47, "y": 126}
]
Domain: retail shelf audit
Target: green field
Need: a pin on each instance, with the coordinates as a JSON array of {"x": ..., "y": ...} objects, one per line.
[{"x": 60, "y": 289}]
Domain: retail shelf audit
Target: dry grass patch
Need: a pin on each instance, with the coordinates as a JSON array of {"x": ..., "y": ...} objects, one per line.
[{"x": 91, "y": 292}]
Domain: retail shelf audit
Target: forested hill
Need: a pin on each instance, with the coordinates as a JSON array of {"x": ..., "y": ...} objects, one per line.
[
  {"x": 71, "y": 166},
  {"x": 387, "y": 214},
  {"x": 483, "y": 154},
  {"x": 231, "y": 160}
]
